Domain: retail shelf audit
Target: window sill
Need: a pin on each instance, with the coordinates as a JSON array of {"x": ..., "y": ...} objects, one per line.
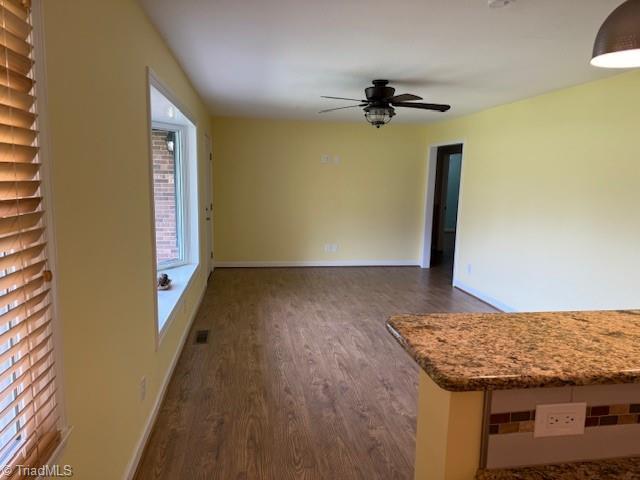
[
  {"x": 57, "y": 452},
  {"x": 168, "y": 300}
]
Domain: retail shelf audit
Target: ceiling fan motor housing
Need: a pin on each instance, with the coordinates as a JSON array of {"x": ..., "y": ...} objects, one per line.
[{"x": 380, "y": 91}]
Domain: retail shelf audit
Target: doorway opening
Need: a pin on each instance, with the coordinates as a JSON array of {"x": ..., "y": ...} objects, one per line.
[{"x": 443, "y": 195}]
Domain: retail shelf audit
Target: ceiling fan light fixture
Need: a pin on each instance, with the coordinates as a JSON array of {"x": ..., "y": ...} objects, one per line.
[
  {"x": 378, "y": 116},
  {"x": 617, "y": 44},
  {"x": 381, "y": 100}
]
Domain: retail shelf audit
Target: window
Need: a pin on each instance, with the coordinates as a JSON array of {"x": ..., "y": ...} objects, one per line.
[
  {"x": 167, "y": 143},
  {"x": 29, "y": 412},
  {"x": 175, "y": 196}
]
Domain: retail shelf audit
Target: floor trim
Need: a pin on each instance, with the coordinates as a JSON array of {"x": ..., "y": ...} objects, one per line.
[
  {"x": 151, "y": 420},
  {"x": 322, "y": 263},
  {"x": 483, "y": 296}
]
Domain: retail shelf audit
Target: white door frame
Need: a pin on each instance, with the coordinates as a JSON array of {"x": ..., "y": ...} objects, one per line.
[
  {"x": 432, "y": 163},
  {"x": 209, "y": 203}
]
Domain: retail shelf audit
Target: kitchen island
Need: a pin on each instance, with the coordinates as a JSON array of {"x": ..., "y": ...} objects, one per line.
[{"x": 483, "y": 377}]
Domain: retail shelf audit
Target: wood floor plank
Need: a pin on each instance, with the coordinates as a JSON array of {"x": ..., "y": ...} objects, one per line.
[{"x": 300, "y": 379}]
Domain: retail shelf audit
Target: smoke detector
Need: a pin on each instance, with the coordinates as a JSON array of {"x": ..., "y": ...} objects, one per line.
[{"x": 500, "y": 3}]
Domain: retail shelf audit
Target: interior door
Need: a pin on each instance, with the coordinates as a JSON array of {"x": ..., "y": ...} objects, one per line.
[{"x": 208, "y": 209}]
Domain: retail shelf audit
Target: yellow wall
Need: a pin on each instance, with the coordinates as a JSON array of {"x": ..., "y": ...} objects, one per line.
[
  {"x": 550, "y": 196},
  {"x": 548, "y": 214},
  {"x": 97, "y": 53},
  {"x": 276, "y": 202},
  {"x": 449, "y": 432}
]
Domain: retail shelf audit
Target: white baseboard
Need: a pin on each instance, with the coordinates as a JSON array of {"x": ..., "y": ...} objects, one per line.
[
  {"x": 494, "y": 302},
  {"x": 322, "y": 263},
  {"x": 151, "y": 420}
]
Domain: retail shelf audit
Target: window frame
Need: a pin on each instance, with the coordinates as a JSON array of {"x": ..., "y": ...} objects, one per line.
[
  {"x": 192, "y": 220},
  {"x": 46, "y": 189},
  {"x": 181, "y": 153},
  {"x": 47, "y": 193}
]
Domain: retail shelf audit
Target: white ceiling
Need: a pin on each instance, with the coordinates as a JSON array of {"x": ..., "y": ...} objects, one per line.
[{"x": 274, "y": 58}]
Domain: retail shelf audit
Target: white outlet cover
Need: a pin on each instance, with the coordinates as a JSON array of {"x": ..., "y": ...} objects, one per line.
[
  {"x": 559, "y": 419},
  {"x": 331, "y": 247},
  {"x": 324, "y": 159}
]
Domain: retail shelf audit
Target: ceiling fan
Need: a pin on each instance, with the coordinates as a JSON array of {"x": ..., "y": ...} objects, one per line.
[{"x": 378, "y": 107}]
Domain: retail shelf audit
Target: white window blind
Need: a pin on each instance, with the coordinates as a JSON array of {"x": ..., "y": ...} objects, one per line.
[{"x": 28, "y": 410}]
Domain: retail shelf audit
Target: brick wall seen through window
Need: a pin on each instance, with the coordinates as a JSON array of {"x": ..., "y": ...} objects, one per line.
[{"x": 164, "y": 190}]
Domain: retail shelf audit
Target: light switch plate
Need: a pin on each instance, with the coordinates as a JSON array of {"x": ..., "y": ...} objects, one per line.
[{"x": 554, "y": 420}]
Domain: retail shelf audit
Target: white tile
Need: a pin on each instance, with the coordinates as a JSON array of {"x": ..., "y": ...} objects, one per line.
[
  {"x": 527, "y": 399},
  {"x": 607, "y": 394},
  {"x": 520, "y": 449}
]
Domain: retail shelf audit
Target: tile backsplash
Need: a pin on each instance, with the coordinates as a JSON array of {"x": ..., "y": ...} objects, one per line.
[
  {"x": 597, "y": 416},
  {"x": 612, "y": 425}
]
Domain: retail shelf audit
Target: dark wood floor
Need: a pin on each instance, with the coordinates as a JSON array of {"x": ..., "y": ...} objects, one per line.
[{"x": 300, "y": 379}]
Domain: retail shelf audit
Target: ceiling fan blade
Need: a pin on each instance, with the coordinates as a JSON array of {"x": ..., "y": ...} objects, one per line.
[
  {"x": 342, "y": 108},
  {"x": 424, "y": 106},
  {"x": 341, "y": 98},
  {"x": 405, "y": 97}
]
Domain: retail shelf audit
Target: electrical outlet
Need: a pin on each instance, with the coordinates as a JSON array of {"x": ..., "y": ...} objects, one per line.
[
  {"x": 469, "y": 269},
  {"x": 330, "y": 247},
  {"x": 324, "y": 158},
  {"x": 143, "y": 388},
  {"x": 559, "y": 419}
]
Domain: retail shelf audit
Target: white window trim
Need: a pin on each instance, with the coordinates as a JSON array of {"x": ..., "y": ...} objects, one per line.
[
  {"x": 46, "y": 188},
  {"x": 195, "y": 260},
  {"x": 170, "y": 301},
  {"x": 182, "y": 206}
]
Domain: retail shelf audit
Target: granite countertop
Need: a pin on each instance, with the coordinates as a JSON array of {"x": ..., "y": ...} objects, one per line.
[
  {"x": 477, "y": 351},
  {"x": 618, "y": 469}
]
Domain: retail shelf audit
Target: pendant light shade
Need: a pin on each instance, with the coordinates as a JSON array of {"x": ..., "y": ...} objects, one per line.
[{"x": 618, "y": 41}]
